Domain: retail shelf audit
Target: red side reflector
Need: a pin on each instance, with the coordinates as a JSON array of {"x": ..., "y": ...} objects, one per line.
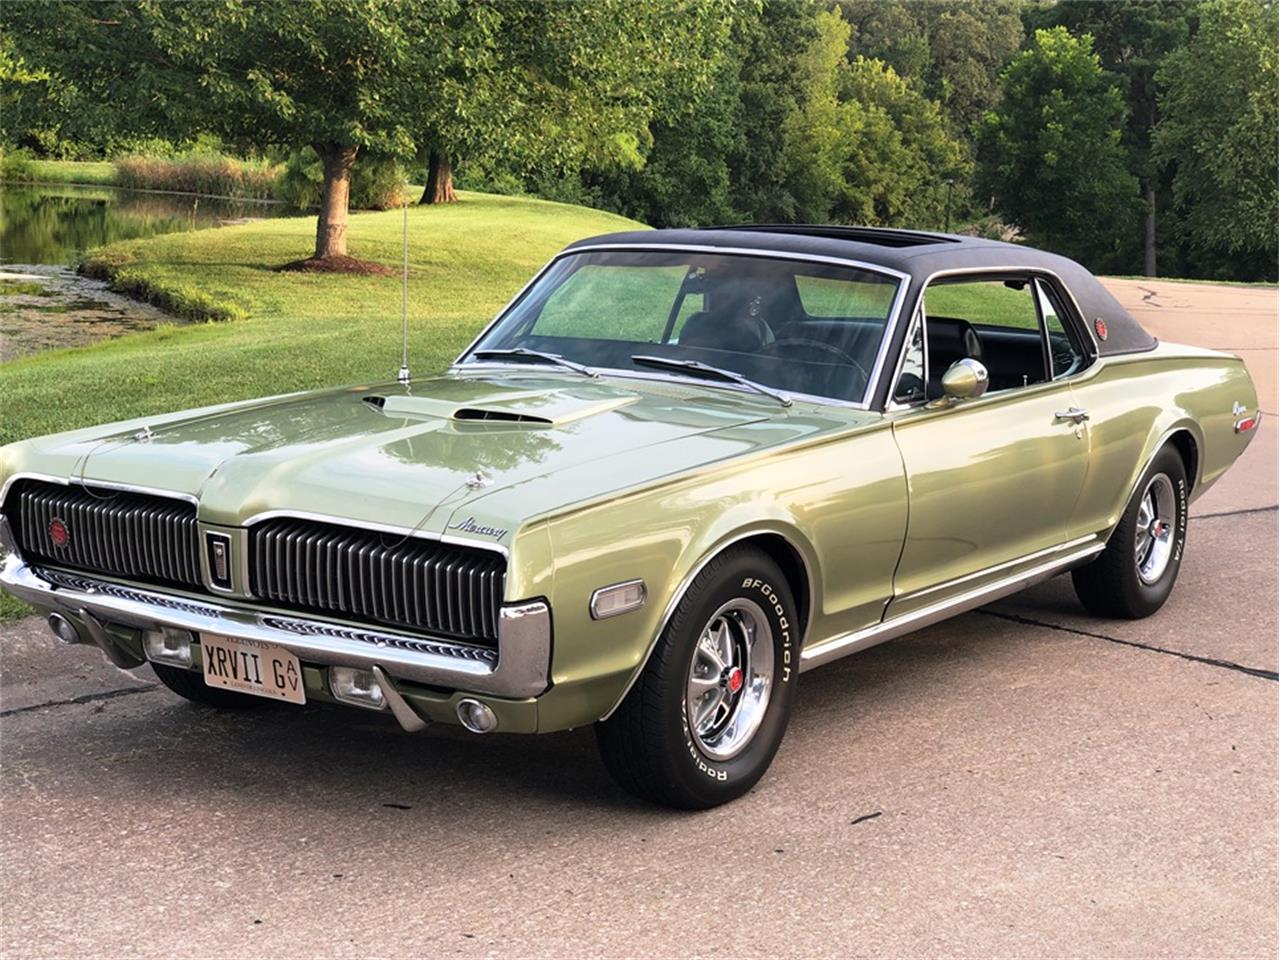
[{"x": 1248, "y": 423}]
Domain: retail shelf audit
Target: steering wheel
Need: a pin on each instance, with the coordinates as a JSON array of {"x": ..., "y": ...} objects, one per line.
[{"x": 813, "y": 347}]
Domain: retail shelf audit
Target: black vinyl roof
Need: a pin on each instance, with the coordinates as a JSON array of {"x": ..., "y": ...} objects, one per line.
[{"x": 918, "y": 254}]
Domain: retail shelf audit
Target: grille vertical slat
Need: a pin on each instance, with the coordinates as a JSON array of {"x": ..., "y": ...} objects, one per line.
[
  {"x": 389, "y": 579},
  {"x": 119, "y": 533}
]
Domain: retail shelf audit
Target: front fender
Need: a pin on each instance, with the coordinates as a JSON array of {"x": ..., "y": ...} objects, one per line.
[{"x": 841, "y": 506}]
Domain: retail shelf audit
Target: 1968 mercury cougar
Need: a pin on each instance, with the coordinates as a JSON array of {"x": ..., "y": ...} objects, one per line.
[{"x": 678, "y": 470}]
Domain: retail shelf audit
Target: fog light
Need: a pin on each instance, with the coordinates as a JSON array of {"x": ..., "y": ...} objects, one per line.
[
  {"x": 619, "y": 598},
  {"x": 64, "y": 629},
  {"x": 356, "y": 687},
  {"x": 476, "y": 716},
  {"x": 168, "y": 646}
]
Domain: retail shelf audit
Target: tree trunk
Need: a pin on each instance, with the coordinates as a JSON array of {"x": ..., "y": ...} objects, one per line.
[
  {"x": 1149, "y": 239},
  {"x": 331, "y": 227},
  {"x": 439, "y": 180}
]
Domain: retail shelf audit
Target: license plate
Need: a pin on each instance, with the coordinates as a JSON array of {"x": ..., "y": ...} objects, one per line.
[{"x": 247, "y": 666}]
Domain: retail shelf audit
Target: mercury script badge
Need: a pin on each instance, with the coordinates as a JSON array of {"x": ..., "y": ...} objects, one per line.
[{"x": 469, "y": 525}]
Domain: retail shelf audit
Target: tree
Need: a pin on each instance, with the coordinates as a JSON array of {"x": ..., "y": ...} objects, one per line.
[
  {"x": 767, "y": 44},
  {"x": 332, "y": 75},
  {"x": 863, "y": 146},
  {"x": 953, "y": 50},
  {"x": 1050, "y": 154},
  {"x": 91, "y": 79},
  {"x": 1218, "y": 131},
  {"x": 561, "y": 85},
  {"x": 1132, "y": 38}
]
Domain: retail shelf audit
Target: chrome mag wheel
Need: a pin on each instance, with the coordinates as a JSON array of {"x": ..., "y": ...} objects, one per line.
[
  {"x": 1156, "y": 526},
  {"x": 730, "y": 679}
]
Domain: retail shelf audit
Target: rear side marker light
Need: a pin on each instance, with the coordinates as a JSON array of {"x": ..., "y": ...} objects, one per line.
[{"x": 1245, "y": 424}]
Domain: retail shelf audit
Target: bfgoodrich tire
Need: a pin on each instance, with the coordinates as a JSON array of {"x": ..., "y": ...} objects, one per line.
[
  {"x": 706, "y": 716},
  {"x": 1134, "y": 575},
  {"x": 190, "y": 685}
]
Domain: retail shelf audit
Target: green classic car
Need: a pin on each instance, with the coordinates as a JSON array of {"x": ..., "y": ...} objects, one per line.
[{"x": 678, "y": 470}]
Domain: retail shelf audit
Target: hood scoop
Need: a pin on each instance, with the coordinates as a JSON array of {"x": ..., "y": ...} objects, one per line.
[
  {"x": 503, "y": 416},
  {"x": 527, "y": 408}
]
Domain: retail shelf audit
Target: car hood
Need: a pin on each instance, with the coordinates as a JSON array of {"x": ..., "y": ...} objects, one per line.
[{"x": 417, "y": 455}]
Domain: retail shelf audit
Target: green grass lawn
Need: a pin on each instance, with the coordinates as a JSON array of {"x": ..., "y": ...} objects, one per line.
[
  {"x": 297, "y": 330},
  {"x": 28, "y": 170}
]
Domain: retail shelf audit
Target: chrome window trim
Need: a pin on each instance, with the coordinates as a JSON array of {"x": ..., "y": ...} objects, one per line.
[
  {"x": 892, "y": 404},
  {"x": 86, "y": 482},
  {"x": 378, "y": 527},
  {"x": 674, "y": 377},
  {"x": 886, "y": 336},
  {"x": 1093, "y": 355}
]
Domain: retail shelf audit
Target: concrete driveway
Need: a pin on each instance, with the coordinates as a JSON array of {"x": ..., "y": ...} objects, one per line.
[{"x": 1023, "y": 781}]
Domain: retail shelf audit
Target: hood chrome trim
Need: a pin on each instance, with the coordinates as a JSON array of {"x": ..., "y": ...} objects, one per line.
[
  {"x": 87, "y": 482},
  {"x": 379, "y": 527}
]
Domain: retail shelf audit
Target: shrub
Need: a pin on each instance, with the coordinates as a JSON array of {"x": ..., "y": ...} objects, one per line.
[
  {"x": 17, "y": 166},
  {"x": 208, "y": 172},
  {"x": 377, "y": 183}
]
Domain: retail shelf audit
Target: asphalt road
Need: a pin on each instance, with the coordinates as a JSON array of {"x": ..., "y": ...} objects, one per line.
[{"x": 1023, "y": 781}]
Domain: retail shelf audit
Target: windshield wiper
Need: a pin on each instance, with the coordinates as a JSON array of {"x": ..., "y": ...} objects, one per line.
[
  {"x": 553, "y": 358},
  {"x": 709, "y": 372}
]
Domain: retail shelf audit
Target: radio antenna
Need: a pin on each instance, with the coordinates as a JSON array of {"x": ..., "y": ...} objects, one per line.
[{"x": 403, "y": 376}]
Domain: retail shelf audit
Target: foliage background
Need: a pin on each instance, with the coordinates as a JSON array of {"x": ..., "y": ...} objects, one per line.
[{"x": 1136, "y": 135}]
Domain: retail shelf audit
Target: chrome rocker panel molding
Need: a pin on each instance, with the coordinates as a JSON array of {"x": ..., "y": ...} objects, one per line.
[
  {"x": 849, "y": 643},
  {"x": 520, "y": 670}
]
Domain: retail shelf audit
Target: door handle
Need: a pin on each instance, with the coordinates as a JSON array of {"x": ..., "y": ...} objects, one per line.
[{"x": 1074, "y": 414}]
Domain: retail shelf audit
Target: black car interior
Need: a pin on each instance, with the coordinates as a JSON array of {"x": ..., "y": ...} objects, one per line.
[{"x": 748, "y": 322}]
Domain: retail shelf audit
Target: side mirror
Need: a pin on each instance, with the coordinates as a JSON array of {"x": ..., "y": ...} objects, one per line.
[{"x": 965, "y": 380}]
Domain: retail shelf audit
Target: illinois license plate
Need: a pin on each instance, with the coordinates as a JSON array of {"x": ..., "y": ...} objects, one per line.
[{"x": 247, "y": 666}]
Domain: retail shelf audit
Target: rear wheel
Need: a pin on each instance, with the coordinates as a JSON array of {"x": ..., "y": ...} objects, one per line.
[
  {"x": 1134, "y": 575},
  {"x": 707, "y": 714},
  {"x": 190, "y": 685}
]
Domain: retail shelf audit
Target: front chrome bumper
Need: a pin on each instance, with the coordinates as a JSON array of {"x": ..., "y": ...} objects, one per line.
[{"x": 519, "y": 668}]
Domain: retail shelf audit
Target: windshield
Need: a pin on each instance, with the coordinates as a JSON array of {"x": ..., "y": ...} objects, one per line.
[{"x": 800, "y": 327}]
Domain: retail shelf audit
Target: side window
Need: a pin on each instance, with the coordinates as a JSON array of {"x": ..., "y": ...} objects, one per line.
[
  {"x": 994, "y": 321},
  {"x": 911, "y": 382},
  {"x": 1065, "y": 355}
]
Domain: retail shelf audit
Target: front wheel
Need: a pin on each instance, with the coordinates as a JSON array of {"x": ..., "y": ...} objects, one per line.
[
  {"x": 707, "y": 714},
  {"x": 1134, "y": 575}
]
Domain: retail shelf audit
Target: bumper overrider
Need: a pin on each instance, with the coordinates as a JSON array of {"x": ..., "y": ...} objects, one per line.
[{"x": 518, "y": 670}]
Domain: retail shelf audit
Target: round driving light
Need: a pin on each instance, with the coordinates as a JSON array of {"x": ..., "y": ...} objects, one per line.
[
  {"x": 476, "y": 716},
  {"x": 63, "y": 628}
]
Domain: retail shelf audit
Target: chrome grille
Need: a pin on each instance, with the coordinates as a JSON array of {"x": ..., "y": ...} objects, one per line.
[
  {"x": 131, "y": 535},
  {"x": 383, "y": 578}
]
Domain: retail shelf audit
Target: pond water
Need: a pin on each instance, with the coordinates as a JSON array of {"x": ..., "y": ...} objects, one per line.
[{"x": 46, "y": 229}]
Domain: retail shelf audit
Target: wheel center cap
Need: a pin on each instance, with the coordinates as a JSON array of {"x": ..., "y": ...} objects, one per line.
[
  {"x": 1157, "y": 528},
  {"x": 733, "y": 679}
]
